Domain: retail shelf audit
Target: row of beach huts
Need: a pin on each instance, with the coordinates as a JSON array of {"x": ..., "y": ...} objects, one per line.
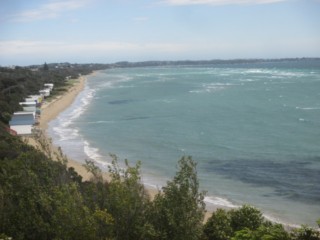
[{"x": 23, "y": 122}]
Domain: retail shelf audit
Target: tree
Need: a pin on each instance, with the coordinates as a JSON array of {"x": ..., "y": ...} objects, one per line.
[
  {"x": 94, "y": 170},
  {"x": 45, "y": 67},
  {"x": 245, "y": 217},
  {"x": 5, "y": 117},
  {"x": 177, "y": 212},
  {"x": 68, "y": 217},
  {"x": 127, "y": 201},
  {"x": 269, "y": 231},
  {"x": 218, "y": 226},
  {"x": 305, "y": 233},
  {"x": 264, "y": 232},
  {"x": 244, "y": 234}
]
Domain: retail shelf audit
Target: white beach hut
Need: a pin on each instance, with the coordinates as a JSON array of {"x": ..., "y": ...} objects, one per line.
[
  {"x": 29, "y": 106},
  {"x": 22, "y": 130},
  {"x": 22, "y": 122},
  {"x": 45, "y": 92},
  {"x": 49, "y": 85}
]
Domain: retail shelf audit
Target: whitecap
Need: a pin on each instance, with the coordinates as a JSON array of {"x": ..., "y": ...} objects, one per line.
[
  {"x": 248, "y": 80},
  {"x": 67, "y": 118},
  {"x": 168, "y": 100},
  {"x": 100, "y": 122},
  {"x": 254, "y": 71},
  {"x": 196, "y": 91},
  {"x": 308, "y": 108},
  {"x": 93, "y": 153},
  {"x": 219, "y": 202},
  {"x": 66, "y": 134},
  {"x": 277, "y": 220},
  {"x": 62, "y": 127},
  {"x": 212, "y": 87},
  {"x": 115, "y": 82},
  {"x": 225, "y": 203}
]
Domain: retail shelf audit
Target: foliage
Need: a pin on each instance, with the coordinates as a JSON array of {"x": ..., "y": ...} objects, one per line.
[
  {"x": 16, "y": 84},
  {"x": 94, "y": 170},
  {"x": 127, "y": 201},
  {"x": 40, "y": 198},
  {"x": 43, "y": 199},
  {"x": 245, "y": 217},
  {"x": 45, "y": 67},
  {"x": 4, "y": 237},
  {"x": 245, "y": 223},
  {"x": 179, "y": 210},
  {"x": 305, "y": 233},
  {"x": 218, "y": 226}
]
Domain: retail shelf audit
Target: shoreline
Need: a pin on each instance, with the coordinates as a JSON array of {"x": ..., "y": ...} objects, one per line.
[{"x": 50, "y": 110}]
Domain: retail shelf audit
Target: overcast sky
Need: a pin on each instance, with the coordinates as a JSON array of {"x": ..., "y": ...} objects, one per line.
[{"x": 107, "y": 31}]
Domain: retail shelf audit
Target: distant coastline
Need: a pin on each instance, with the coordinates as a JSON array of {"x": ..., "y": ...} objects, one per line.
[
  {"x": 209, "y": 62},
  {"x": 159, "y": 63}
]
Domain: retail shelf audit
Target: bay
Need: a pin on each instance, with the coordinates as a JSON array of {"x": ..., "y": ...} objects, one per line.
[{"x": 254, "y": 130}]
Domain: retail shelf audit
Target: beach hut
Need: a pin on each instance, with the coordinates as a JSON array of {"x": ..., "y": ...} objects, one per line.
[
  {"x": 37, "y": 98},
  {"x": 22, "y": 130},
  {"x": 49, "y": 85},
  {"x": 23, "y": 118},
  {"x": 22, "y": 122},
  {"x": 45, "y": 92},
  {"x": 30, "y": 109},
  {"x": 30, "y": 100},
  {"x": 29, "y": 106}
]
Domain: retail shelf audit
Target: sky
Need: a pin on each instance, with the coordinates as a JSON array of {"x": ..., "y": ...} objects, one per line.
[{"x": 108, "y": 31}]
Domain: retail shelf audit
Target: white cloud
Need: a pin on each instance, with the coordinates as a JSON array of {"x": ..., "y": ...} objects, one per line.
[
  {"x": 47, "y": 48},
  {"x": 49, "y": 10},
  {"x": 218, "y": 2},
  {"x": 30, "y": 52},
  {"x": 36, "y": 52}
]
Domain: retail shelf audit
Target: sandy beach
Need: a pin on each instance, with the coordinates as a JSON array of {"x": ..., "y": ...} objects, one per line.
[{"x": 51, "y": 109}]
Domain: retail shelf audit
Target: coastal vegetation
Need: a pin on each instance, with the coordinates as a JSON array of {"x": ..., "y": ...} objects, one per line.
[
  {"x": 16, "y": 83},
  {"x": 41, "y": 198}
]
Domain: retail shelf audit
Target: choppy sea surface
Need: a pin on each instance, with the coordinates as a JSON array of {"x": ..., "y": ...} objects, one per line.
[{"x": 254, "y": 130}]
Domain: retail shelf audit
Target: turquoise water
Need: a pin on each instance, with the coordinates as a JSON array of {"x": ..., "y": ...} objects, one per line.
[{"x": 254, "y": 130}]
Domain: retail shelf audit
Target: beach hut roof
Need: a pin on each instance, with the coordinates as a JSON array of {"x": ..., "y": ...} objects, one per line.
[
  {"x": 23, "y": 118},
  {"x": 22, "y": 113},
  {"x": 28, "y": 103}
]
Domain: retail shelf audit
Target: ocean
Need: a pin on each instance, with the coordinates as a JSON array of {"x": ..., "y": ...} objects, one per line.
[{"x": 253, "y": 129}]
